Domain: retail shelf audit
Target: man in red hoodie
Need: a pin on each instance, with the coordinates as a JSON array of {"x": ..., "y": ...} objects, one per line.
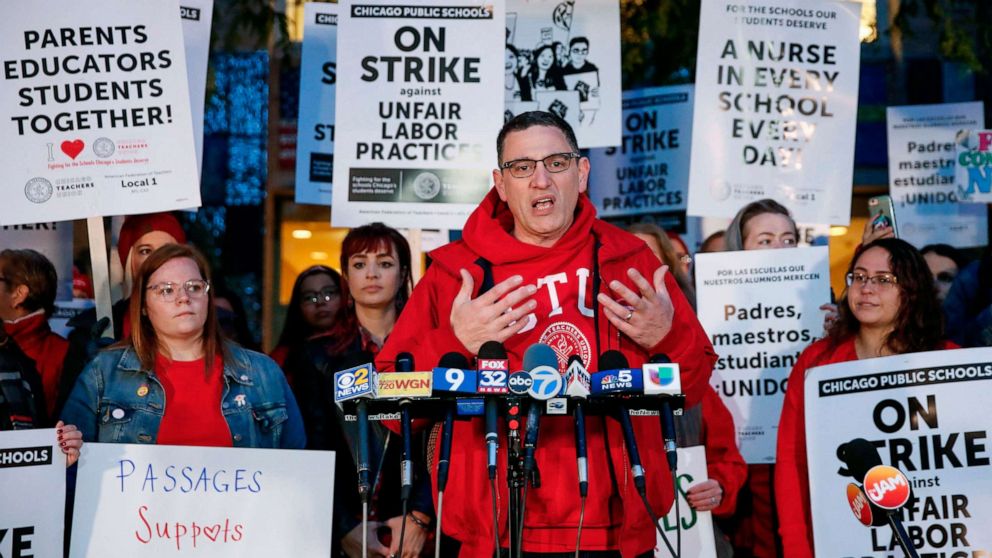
[
  {"x": 535, "y": 265},
  {"x": 27, "y": 298}
]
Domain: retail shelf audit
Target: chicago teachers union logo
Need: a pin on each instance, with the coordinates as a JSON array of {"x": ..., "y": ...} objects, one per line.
[
  {"x": 38, "y": 190},
  {"x": 566, "y": 340}
]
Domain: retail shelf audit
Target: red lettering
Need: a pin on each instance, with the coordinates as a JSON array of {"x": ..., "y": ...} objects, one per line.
[
  {"x": 141, "y": 514},
  {"x": 984, "y": 141}
]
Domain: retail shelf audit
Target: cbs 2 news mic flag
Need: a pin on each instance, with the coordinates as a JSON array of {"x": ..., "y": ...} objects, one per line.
[
  {"x": 95, "y": 111},
  {"x": 32, "y": 477},
  {"x": 926, "y": 413}
]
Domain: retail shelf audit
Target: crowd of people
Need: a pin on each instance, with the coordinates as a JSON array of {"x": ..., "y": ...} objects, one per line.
[{"x": 534, "y": 265}]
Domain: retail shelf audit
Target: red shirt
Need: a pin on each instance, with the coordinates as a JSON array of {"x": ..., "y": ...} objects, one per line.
[
  {"x": 46, "y": 348},
  {"x": 192, "y": 403}
]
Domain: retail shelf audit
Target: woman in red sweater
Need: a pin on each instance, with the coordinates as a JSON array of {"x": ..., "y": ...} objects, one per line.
[{"x": 890, "y": 307}]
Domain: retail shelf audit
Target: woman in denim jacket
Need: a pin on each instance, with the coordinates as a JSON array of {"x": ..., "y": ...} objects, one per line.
[{"x": 218, "y": 394}]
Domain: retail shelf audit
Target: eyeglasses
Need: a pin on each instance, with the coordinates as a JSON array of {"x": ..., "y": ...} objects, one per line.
[
  {"x": 325, "y": 295},
  {"x": 523, "y": 168},
  {"x": 194, "y": 288},
  {"x": 686, "y": 259},
  {"x": 882, "y": 280},
  {"x": 576, "y": 50}
]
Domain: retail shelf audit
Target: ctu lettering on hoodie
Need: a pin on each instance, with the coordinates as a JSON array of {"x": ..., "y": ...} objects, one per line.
[{"x": 550, "y": 283}]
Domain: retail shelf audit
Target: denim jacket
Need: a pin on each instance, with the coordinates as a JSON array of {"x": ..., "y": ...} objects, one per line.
[{"x": 115, "y": 401}]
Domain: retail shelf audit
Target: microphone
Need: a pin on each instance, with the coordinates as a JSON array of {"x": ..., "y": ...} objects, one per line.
[
  {"x": 358, "y": 383},
  {"x": 662, "y": 377},
  {"x": 577, "y": 387},
  {"x": 614, "y": 361},
  {"x": 404, "y": 366},
  {"x": 493, "y": 368},
  {"x": 450, "y": 361},
  {"x": 541, "y": 362},
  {"x": 885, "y": 489}
]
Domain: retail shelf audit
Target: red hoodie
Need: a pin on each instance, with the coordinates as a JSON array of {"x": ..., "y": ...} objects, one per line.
[
  {"x": 615, "y": 517},
  {"x": 46, "y": 348},
  {"x": 791, "y": 466}
]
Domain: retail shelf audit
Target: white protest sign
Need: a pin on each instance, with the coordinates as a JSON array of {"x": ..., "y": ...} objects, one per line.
[
  {"x": 417, "y": 111},
  {"x": 777, "y": 95},
  {"x": 566, "y": 60},
  {"x": 32, "y": 474},
  {"x": 315, "y": 127},
  {"x": 649, "y": 171},
  {"x": 760, "y": 309},
  {"x": 922, "y": 167},
  {"x": 135, "y": 500},
  {"x": 197, "y": 16},
  {"x": 52, "y": 240},
  {"x": 697, "y": 527},
  {"x": 974, "y": 159},
  {"x": 94, "y": 112},
  {"x": 926, "y": 414}
]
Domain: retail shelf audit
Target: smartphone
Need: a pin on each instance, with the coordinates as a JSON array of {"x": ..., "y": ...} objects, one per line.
[{"x": 882, "y": 213}]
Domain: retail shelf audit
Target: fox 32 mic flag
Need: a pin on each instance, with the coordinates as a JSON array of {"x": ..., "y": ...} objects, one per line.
[{"x": 94, "y": 112}]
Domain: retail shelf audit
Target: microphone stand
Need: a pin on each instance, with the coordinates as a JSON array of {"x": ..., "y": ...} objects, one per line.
[{"x": 515, "y": 477}]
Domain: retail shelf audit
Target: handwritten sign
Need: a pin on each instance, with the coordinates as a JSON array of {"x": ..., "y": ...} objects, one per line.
[{"x": 134, "y": 500}]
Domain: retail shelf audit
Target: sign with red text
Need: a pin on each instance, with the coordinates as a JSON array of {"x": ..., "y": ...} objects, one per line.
[
  {"x": 974, "y": 165},
  {"x": 922, "y": 173},
  {"x": 696, "y": 526},
  {"x": 95, "y": 111},
  {"x": 925, "y": 414},
  {"x": 776, "y": 107},
  {"x": 32, "y": 477},
  {"x": 760, "y": 309},
  {"x": 648, "y": 172},
  {"x": 418, "y": 108},
  {"x": 137, "y": 500}
]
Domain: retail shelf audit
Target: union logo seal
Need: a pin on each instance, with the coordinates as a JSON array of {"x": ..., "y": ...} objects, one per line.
[
  {"x": 566, "y": 340},
  {"x": 104, "y": 147},
  {"x": 426, "y": 186},
  {"x": 38, "y": 190}
]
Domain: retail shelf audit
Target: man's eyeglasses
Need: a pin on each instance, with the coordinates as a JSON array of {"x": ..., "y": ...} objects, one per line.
[
  {"x": 194, "y": 288},
  {"x": 324, "y": 295},
  {"x": 882, "y": 280},
  {"x": 523, "y": 168}
]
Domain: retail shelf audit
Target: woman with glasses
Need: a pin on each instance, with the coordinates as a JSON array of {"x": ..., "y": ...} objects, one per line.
[
  {"x": 313, "y": 307},
  {"x": 376, "y": 272},
  {"x": 889, "y": 308},
  {"x": 175, "y": 379}
]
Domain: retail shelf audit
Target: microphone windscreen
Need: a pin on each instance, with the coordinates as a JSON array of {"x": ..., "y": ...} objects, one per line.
[
  {"x": 540, "y": 354},
  {"x": 859, "y": 455},
  {"x": 660, "y": 358},
  {"x": 453, "y": 360},
  {"x": 611, "y": 360},
  {"x": 493, "y": 350},
  {"x": 404, "y": 362},
  {"x": 575, "y": 358}
]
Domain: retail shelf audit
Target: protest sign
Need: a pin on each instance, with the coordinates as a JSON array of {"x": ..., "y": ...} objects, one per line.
[
  {"x": 925, "y": 414},
  {"x": 777, "y": 94},
  {"x": 52, "y": 240},
  {"x": 315, "y": 130},
  {"x": 94, "y": 112},
  {"x": 649, "y": 171},
  {"x": 760, "y": 309},
  {"x": 564, "y": 57},
  {"x": 922, "y": 171},
  {"x": 697, "y": 527},
  {"x": 136, "y": 500},
  {"x": 974, "y": 165},
  {"x": 32, "y": 474},
  {"x": 417, "y": 111},
  {"x": 197, "y": 16}
]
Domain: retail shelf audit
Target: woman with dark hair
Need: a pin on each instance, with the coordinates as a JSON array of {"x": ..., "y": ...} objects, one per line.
[
  {"x": 944, "y": 261},
  {"x": 889, "y": 308},
  {"x": 175, "y": 379},
  {"x": 313, "y": 307},
  {"x": 377, "y": 281},
  {"x": 515, "y": 83},
  {"x": 762, "y": 224},
  {"x": 545, "y": 74}
]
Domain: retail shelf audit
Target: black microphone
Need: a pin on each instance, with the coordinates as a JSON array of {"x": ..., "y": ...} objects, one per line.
[
  {"x": 537, "y": 355},
  {"x": 859, "y": 456},
  {"x": 668, "y": 432},
  {"x": 611, "y": 360},
  {"x": 492, "y": 350},
  {"x": 450, "y": 360},
  {"x": 579, "y": 376},
  {"x": 404, "y": 363}
]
